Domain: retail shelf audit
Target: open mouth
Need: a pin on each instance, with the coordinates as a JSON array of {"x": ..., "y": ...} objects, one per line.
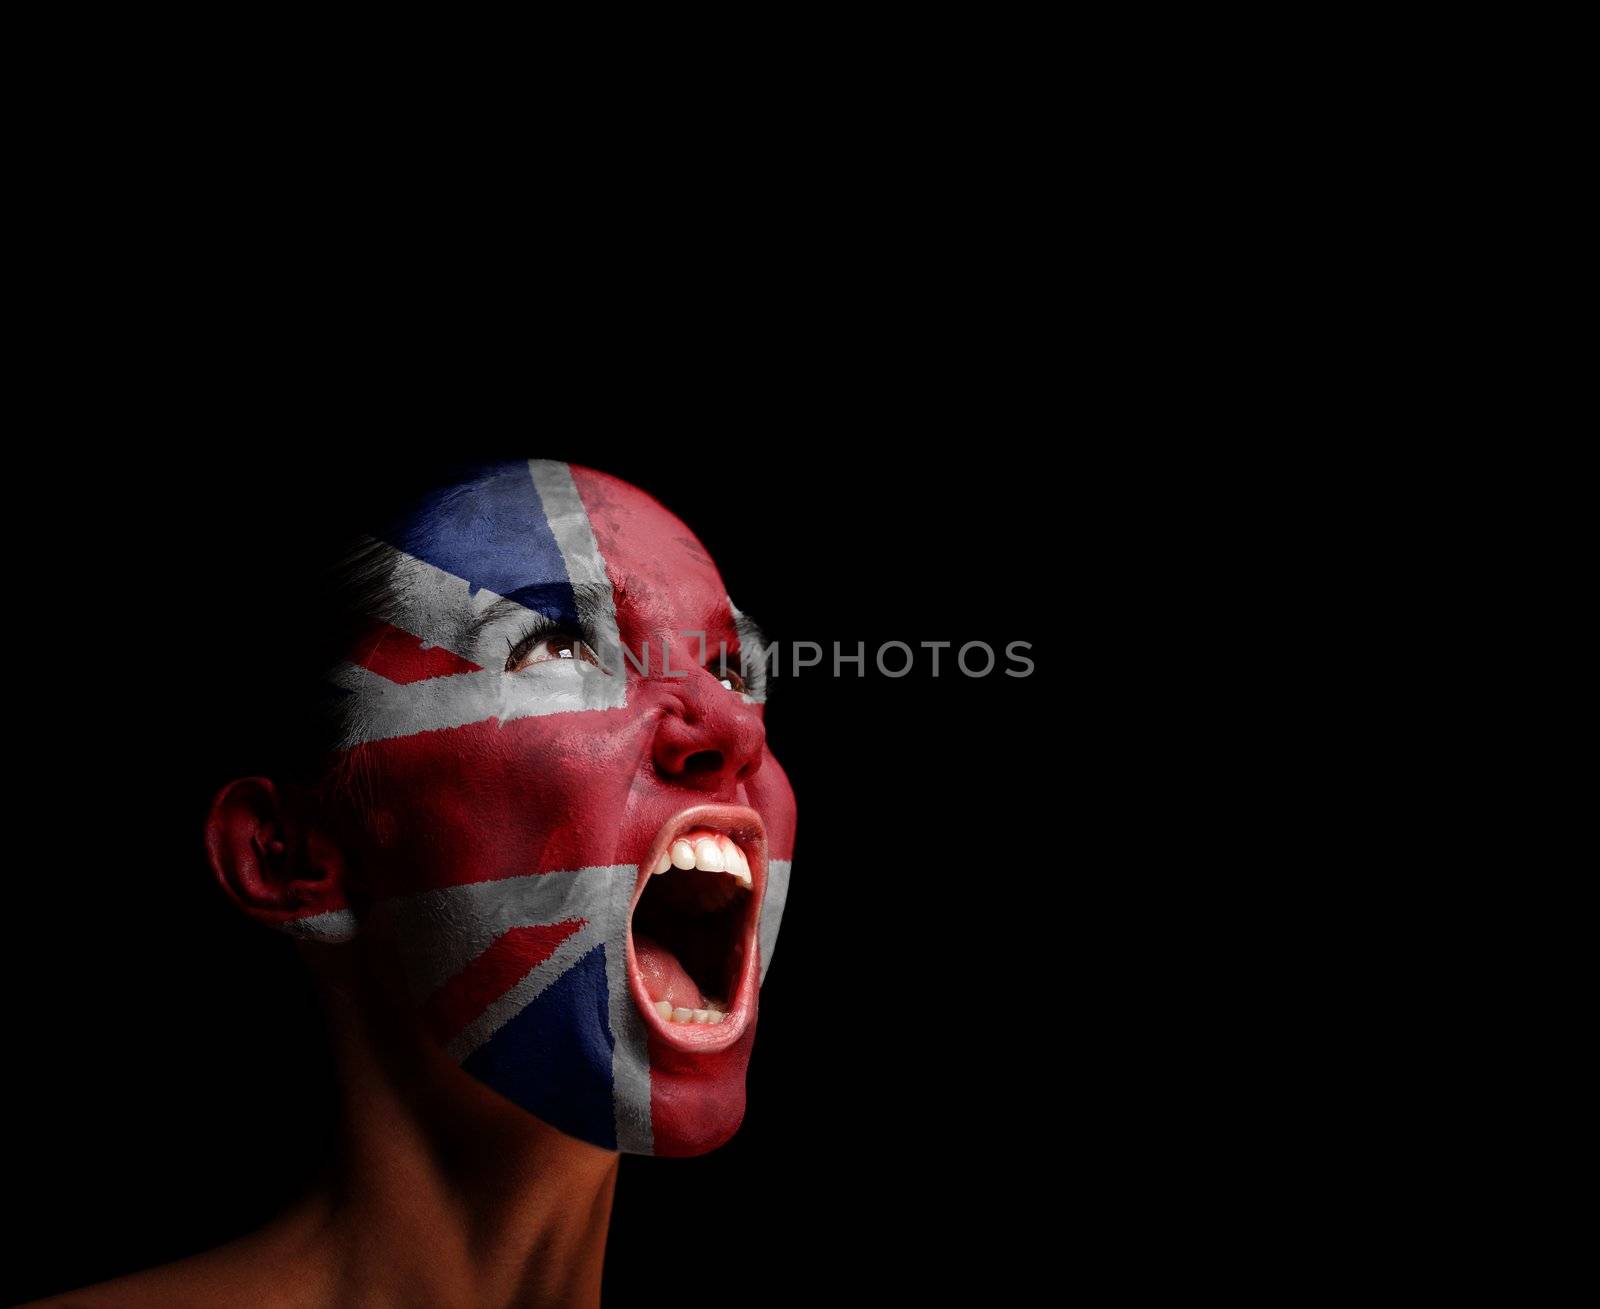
[{"x": 692, "y": 937}]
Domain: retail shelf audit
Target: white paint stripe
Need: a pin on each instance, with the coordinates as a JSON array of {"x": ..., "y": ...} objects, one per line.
[
  {"x": 435, "y": 606},
  {"x": 574, "y": 534},
  {"x": 630, "y": 1055},
  {"x": 752, "y": 655},
  {"x": 332, "y": 927},
  {"x": 442, "y": 931},
  {"x": 772, "y": 903},
  {"x": 440, "y": 608},
  {"x": 502, "y": 1010},
  {"x": 601, "y": 896},
  {"x": 383, "y": 709}
]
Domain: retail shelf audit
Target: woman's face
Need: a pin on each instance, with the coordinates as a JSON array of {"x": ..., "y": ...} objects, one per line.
[{"x": 523, "y": 782}]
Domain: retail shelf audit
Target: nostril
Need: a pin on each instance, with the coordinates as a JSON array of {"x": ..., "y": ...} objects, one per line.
[{"x": 703, "y": 761}]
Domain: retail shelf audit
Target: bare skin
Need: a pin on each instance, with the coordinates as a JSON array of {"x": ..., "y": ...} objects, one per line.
[{"x": 443, "y": 1193}]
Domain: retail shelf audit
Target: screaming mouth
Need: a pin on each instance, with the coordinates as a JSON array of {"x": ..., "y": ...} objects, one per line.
[{"x": 692, "y": 943}]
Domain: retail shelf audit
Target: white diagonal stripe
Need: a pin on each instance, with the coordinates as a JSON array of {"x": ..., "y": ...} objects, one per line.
[
  {"x": 435, "y": 606},
  {"x": 515, "y": 999}
]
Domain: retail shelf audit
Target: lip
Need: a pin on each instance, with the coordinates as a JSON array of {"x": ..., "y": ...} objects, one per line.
[{"x": 743, "y": 826}]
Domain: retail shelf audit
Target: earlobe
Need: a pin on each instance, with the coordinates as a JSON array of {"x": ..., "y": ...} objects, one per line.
[{"x": 278, "y": 868}]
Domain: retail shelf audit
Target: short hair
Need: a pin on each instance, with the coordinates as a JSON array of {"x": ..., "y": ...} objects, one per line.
[{"x": 290, "y": 574}]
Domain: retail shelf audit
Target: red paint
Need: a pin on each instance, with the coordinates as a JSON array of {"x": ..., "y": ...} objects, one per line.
[
  {"x": 586, "y": 789},
  {"x": 491, "y": 975},
  {"x": 397, "y": 655},
  {"x": 667, "y": 585},
  {"x": 696, "y": 1101}
]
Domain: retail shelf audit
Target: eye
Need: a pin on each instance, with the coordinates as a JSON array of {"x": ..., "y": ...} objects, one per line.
[
  {"x": 727, "y": 672},
  {"x": 540, "y": 649}
]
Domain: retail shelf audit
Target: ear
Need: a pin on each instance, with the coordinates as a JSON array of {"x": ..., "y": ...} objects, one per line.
[{"x": 276, "y": 866}]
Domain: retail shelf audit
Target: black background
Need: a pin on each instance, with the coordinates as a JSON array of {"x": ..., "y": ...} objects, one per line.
[{"x": 915, "y": 1117}]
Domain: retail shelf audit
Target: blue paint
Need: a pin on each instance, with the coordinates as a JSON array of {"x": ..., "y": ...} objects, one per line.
[
  {"x": 554, "y": 1058},
  {"x": 491, "y": 531}
]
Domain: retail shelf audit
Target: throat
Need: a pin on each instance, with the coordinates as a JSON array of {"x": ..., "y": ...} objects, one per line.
[{"x": 665, "y": 977}]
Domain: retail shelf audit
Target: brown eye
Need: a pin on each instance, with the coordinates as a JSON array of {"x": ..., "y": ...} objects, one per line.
[
  {"x": 729, "y": 675},
  {"x": 548, "y": 648}
]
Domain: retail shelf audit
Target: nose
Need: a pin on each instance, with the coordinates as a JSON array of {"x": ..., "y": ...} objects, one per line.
[{"x": 709, "y": 739}]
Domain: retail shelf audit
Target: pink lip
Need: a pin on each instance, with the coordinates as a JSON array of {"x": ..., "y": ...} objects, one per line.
[{"x": 743, "y": 826}]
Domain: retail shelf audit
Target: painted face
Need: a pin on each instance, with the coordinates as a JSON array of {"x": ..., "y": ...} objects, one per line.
[{"x": 576, "y": 841}]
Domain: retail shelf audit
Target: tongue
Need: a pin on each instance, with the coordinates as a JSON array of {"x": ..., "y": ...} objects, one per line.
[{"x": 664, "y": 978}]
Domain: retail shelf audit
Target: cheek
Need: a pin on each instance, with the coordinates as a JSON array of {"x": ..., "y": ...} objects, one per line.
[
  {"x": 772, "y": 797},
  {"x": 496, "y": 800}
]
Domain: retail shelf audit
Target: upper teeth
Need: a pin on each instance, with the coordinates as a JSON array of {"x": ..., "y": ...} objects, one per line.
[{"x": 711, "y": 851}]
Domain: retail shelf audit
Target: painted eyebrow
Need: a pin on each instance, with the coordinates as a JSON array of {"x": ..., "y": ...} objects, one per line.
[
  {"x": 590, "y": 600},
  {"x": 750, "y": 632}
]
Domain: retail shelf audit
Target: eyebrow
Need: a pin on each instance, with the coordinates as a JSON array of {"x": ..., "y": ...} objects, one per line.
[
  {"x": 589, "y": 600},
  {"x": 750, "y": 631}
]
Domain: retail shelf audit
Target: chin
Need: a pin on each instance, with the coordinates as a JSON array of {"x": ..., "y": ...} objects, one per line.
[
  {"x": 697, "y": 1100},
  {"x": 693, "y": 969}
]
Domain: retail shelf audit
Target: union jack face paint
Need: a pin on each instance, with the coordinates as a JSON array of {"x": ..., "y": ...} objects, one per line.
[{"x": 574, "y": 837}]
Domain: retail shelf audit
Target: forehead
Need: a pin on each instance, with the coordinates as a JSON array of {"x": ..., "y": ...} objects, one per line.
[
  {"x": 648, "y": 550},
  {"x": 515, "y": 528}
]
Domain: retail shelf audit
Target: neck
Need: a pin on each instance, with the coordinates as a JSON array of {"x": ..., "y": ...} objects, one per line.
[{"x": 445, "y": 1193}]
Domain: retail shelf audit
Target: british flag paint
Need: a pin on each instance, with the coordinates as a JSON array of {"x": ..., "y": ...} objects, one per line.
[{"x": 539, "y": 713}]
